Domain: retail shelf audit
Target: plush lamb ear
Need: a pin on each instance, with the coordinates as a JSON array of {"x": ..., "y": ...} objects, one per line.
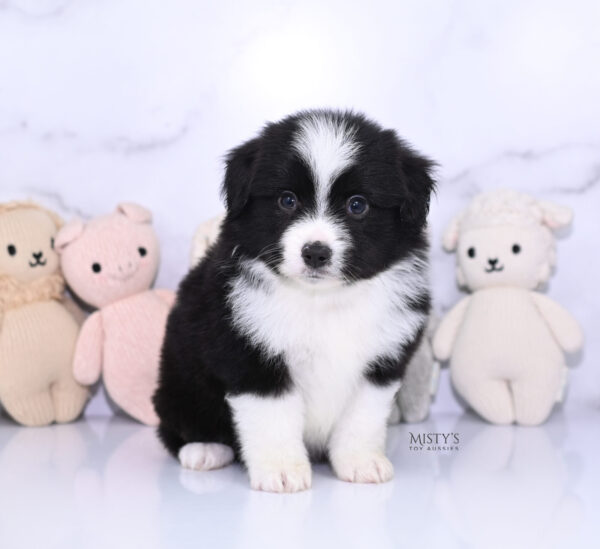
[
  {"x": 135, "y": 212},
  {"x": 450, "y": 238},
  {"x": 241, "y": 166},
  {"x": 69, "y": 233},
  {"x": 555, "y": 216}
]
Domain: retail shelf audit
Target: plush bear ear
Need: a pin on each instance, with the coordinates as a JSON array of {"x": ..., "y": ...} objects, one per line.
[
  {"x": 135, "y": 212},
  {"x": 554, "y": 215},
  {"x": 241, "y": 165},
  {"x": 450, "y": 238},
  {"x": 69, "y": 233}
]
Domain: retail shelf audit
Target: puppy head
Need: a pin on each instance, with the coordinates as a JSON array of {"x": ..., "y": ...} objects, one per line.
[{"x": 325, "y": 198}]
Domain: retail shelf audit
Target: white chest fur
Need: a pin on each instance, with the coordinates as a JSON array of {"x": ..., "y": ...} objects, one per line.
[{"x": 327, "y": 337}]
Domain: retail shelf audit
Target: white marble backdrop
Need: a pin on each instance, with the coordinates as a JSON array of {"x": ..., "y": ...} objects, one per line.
[{"x": 103, "y": 101}]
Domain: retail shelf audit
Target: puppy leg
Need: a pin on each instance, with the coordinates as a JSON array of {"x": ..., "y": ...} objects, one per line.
[
  {"x": 270, "y": 435},
  {"x": 204, "y": 456},
  {"x": 357, "y": 444}
]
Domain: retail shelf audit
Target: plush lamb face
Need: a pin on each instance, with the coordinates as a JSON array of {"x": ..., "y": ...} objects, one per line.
[
  {"x": 504, "y": 238},
  {"x": 27, "y": 235},
  {"x": 112, "y": 257}
]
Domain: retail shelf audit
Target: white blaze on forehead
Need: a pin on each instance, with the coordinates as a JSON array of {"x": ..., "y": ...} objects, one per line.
[{"x": 328, "y": 147}]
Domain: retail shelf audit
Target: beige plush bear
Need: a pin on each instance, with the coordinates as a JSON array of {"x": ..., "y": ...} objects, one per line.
[
  {"x": 37, "y": 333},
  {"x": 505, "y": 341}
]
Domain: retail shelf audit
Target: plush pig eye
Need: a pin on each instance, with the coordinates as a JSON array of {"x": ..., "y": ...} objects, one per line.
[
  {"x": 142, "y": 251},
  {"x": 96, "y": 267},
  {"x": 11, "y": 249}
]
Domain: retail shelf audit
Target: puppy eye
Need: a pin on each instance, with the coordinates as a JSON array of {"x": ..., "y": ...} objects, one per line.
[
  {"x": 142, "y": 251},
  {"x": 96, "y": 267},
  {"x": 357, "y": 205},
  {"x": 288, "y": 201},
  {"x": 11, "y": 249},
  {"x": 471, "y": 252},
  {"x": 516, "y": 249}
]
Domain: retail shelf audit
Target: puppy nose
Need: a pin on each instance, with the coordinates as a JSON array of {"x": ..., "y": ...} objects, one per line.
[
  {"x": 493, "y": 261},
  {"x": 316, "y": 254},
  {"x": 37, "y": 255}
]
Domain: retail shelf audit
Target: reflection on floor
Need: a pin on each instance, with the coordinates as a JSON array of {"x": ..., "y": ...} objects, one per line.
[{"x": 106, "y": 482}]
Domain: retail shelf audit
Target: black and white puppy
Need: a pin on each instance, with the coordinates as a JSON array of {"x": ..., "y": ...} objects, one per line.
[{"x": 291, "y": 337}]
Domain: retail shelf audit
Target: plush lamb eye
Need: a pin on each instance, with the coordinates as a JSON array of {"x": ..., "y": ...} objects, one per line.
[
  {"x": 288, "y": 201},
  {"x": 357, "y": 205},
  {"x": 11, "y": 249},
  {"x": 471, "y": 252},
  {"x": 142, "y": 251},
  {"x": 516, "y": 249},
  {"x": 96, "y": 267}
]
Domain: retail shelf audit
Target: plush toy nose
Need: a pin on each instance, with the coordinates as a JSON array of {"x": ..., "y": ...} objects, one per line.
[
  {"x": 37, "y": 256},
  {"x": 493, "y": 261},
  {"x": 127, "y": 268}
]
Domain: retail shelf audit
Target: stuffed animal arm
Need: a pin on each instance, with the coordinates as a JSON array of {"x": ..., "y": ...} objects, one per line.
[
  {"x": 168, "y": 296},
  {"x": 564, "y": 327},
  {"x": 205, "y": 236},
  {"x": 87, "y": 363},
  {"x": 443, "y": 340}
]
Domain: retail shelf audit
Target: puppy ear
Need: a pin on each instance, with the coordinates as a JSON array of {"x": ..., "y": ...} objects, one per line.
[
  {"x": 135, "y": 212},
  {"x": 418, "y": 174},
  {"x": 554, "y": 215},
  {"x": 68, "y": 233},
  {"x": 450, "y": 238},
  {"x": 240, "y": 169}
]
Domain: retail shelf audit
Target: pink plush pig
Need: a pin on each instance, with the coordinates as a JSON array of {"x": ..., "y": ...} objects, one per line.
[{"x": 111, "y": 263}]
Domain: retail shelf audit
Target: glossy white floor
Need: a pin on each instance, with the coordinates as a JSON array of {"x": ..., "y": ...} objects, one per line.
[{"x": 106, "y": 482}]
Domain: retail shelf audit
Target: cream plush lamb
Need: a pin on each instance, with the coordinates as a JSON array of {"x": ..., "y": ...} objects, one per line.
[{"x": 506, "y": 342}]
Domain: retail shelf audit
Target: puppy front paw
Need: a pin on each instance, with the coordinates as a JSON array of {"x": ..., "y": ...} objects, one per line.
[
  {"x": 204, "y": 456},
  {"x": 282, "y": 477},
  {"x": 369, "y": 467}
]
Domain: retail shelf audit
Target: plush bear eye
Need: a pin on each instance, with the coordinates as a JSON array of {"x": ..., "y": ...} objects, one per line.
[
  {"x": 516, "y": 249},
  {"x": 96, "y": 267},
  {"x": 471, "y": 252},
  {"x": 52, "y": 243},
  {"x": 11, "y": 249},
  {"x": 142, "y": 251}
]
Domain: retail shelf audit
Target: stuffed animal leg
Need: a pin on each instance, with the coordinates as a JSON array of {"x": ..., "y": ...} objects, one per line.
[{"x": 419, "y": 383}]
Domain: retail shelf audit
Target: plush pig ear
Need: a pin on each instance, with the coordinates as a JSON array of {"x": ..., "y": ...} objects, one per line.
[
  {"x": 69, "y": 233},
  {"x": 135, "y": 212},
  {"x": 554, "y": 215},
  {"x": 450, "y": 238}
]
